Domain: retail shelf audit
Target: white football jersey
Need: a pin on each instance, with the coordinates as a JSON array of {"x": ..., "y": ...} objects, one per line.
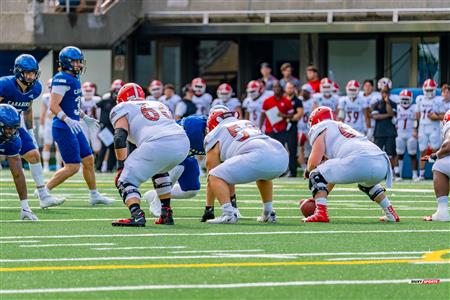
[
  {"x": 424, "y": 106},
  {"x": 302, "y": 124},
  {"x": 46, "y": 101},
  {"x": 354, "y": 112},
  {"x": 151, "y": 98},
  {"x": 441, "y": 106},
  {"x": 445, "y": 130},
  {"x": 342, "y": 140},
  {"x": 148, "y": 120},
  {"x": 254, "y": 109},
  {"x": 232, "y": 103},
  {"x": 405, "y": 120},
  {"x": 203, "y": 103},
  {"x": 320, "y": 100},
  {"x": 88, "y": 106},
  {"x": 232, "y": 134},
  {"x": 171, "y": 103}
]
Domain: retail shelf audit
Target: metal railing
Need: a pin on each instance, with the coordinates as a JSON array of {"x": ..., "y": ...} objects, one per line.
[{"x": 97, "y": 7}]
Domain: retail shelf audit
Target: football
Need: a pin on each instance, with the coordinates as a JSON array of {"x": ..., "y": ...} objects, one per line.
[{"x": 307, "y": 207}]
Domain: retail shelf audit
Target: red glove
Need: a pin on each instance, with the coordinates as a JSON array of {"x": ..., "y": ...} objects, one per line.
[{"x": 116, "y": 178}]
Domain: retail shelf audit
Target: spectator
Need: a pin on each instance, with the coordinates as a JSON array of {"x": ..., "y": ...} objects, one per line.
[
  {"x": 383, "y": 112},
  {"x": 169, "y": 98},
  {"x": 278, "y": 129},
  {"x": 312, "y": 74},
  {"x": 286, "y": 70},
  {"x": 292, "y": 139},
  {"x": 370, "y": 96},
  {"x": 445, "y": 94},
  {"x": 186, "y": 107},
  {"x": 106, "y": 105},
  {"x": 267, "y": 77}
]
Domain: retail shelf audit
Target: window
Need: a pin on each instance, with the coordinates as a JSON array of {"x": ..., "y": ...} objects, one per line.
[
  {"x": 427, "y": 61},
  {"x": 145, "y": 62}
]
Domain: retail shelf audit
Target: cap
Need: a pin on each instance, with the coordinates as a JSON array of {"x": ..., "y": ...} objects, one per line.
[{"x": 307, "y": 87}]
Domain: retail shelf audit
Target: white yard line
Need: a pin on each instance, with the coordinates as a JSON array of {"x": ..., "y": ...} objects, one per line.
[
  {"x": 373, "y": 258},
  {"x": 18, "y": 242},
  {"x": 143, "y": 247},
  {"x": 210, "y": 286},
  {"x": 65, "y": 245},
  {"x": 217, "y": 251},
  {"x": 168, "y": 234}
]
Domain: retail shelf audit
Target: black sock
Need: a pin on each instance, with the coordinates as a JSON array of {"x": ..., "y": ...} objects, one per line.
[
  {"x": 209, "y": 208},
  {"x": 133, "y": 207},
  {"x": 165, "y": 202},
  {"x": 233, "y": 201}
]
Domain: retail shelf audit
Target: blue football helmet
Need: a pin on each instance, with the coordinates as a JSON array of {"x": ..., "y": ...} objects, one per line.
[
  {"x": 67, "y": 55},
  {"x": 9, "y": 123},
  {"x": 26, "y": 63},
  {"x": 195, "y": 127}
]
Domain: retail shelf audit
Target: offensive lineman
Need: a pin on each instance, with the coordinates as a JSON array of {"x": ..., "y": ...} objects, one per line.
[
  {"x": 349, "y": 158},
  {"x": 161, "y": 145}
]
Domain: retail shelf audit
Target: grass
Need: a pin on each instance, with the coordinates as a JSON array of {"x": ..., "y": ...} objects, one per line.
[{"x": 75, "y": 246}]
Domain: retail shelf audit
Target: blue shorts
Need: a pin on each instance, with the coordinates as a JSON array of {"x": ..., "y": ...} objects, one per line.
[
  {"x": 11, "y": 148},
  {"x": 27, "y": 141},
  {"x": 72, "y": 147},
  {"x": 190, "y": 179}
]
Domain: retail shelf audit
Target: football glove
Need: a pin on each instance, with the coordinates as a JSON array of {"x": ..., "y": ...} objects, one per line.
[
  {"x": 91, "y": 122},
  {"x": 74, "y": 125}
]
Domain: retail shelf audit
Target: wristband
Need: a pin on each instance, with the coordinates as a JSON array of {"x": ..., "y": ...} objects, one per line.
[{"x": 60, "y": 115}]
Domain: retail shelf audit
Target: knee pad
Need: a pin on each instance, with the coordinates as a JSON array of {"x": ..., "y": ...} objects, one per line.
[
  {"x": 372, "y": 191},
  {"x": 162, "y": 183},
  {"x": 128, "y": 190},
  {"x": 317, "y": 182}
]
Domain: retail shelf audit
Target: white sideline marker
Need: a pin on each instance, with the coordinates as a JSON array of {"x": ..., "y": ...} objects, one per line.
[{"x": 210, "y": 286}]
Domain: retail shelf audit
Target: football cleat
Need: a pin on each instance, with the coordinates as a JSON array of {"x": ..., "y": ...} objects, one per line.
[
  {"x": 320, "y": 215},
  {"x": 49, "y": 201},
  {"x": 29, "y": 215},
  {"x": 166, "y": 217},
  {"x": 438, "y": 216},
  {"x": 208, "y": 214},
  {"x": 154, "y": 203},
  {"x": 270, "y": 218},
  {"x": 390, "y": 215},
  {"x": 99, "y": 199},
  {"x": 137, "y": 220},
  {"x": 419, "y": 178},
  {"x": 224, "y": 219}
]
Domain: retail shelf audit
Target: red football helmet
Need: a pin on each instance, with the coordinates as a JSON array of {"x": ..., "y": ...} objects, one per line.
[
  {"x": 384, "y": 83},
  {"x": 336, "y": 88},
  {"x": 253, "y": 89},
  {"x": 326, "y": 86},
  {"x": 217, "y": 114},
  {"x": 156, "y": 88},
  {"x": 88, "y": 90},
  {"x": 130, "y": 92},
  {"x": 405, "y": 98},
  {"x": 446, "y": 117},
  {"x": 352, "y": 88},
  {"x": 224, "y": 91},
  {"x": 429, "y": 88},
  {"x": 320, "y": 114},
  {"x": 117, "y": 84},
  {"x": 198, "y": 86}
]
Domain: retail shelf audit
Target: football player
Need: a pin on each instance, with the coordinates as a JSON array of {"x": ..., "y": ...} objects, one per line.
[
  {"x": 10, "y": 144},
  {"x": 348, "y": 157},
  {"x": 445, "y": 98},
  {"x": 429, "y": 121},
  {"x": 89, "y": 106},
  {"x": 65, "y": 104},
  {"x": 19, "y": 90},
  {"x": 224, "y": 93},
  {"x": 236, "y": 152},
  {"x": 155, "y": 89},
  {"x": 336, "y": 89},
  {"x": 353, "y": 109},
  {"x": 201, "y": 99},
  {"x": 441, "y": 173},
  {"x": 406, "y": 136},
  {"x": 326, "y": 97},
  {"x": 302, "y": 126},
  {"x": 169, "y": 98},
  {"x": 45, "y": 131},
  {"x": 161, "y": 144},
  {"x": 253, "y": 103},
  {"x": 370, "y": 96}
]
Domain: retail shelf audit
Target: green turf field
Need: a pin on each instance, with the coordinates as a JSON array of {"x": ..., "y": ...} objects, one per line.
[{"x": 75, "y": 253}]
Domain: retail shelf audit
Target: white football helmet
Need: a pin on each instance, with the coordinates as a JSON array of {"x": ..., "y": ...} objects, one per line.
[
  {"x": 352, "y": 89},
  {"x": 326, "y": 86},
  {"x": 429, "y": 88},
  {"x": 405, "y": 98},
  {"x": 224, "y": 91},
  {"x": 156, "y": 88},
  {"x": 253, "y": 89},
  {"x": 88, "y": 90},
  {"x": 384, "y": 83},
  {"x": 198, "y": 86}
]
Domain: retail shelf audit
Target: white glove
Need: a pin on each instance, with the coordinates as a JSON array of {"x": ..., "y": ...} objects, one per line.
[
  {"x": 91, "y": 122},
  {"x": 74, "y": 125},
  {"x": 31, "y": 133}
]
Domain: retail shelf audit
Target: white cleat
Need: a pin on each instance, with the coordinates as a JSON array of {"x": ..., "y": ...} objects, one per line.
[
  {"x": 238, "y": 213},
  {"x": 99, "y": 199},
  {"x": 224, "y": 219},
  {"x": 270, "y": 218},
  {"x": 419, "y": 178},
  {"x": 28, "y": 215},
  {"x": 438, "y": 216},
  {"x": 154, "y": 203},
  {"x": 49, "y": 201},
  {"x": 398, "y": 179}
]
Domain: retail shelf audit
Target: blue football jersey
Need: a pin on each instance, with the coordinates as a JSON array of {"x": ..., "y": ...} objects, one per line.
[
  {"x": 11, "y": 148},
  {"x": 71, "y": 101},
  {"x": 195, "y": 127},
  {"x": 12, "y": 94}
]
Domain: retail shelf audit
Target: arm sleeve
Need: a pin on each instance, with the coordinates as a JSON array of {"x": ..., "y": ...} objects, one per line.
[{"x": 60, "y": 89}]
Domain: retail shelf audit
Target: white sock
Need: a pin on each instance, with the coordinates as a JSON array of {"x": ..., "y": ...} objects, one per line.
[
  {"x": 321, "y": 201},
  {"x": 227, "y": 208},
  {"x": 442, "y": 203},
  {"x": 400, "y": 166},
  {"x": 94, "y": 193},
  {"x": 267, "y": 208},
  {"x": 37, "y": 174},
  {"x": 178, "y": 193},
  {"x": 46, "y": 155},
  {"x": 414, "y": 173},
  {"x": 24, "y": 204},
  {"x": 384, "y": 203},
  {"x": 396, "y": 170},
  {"x": 422, "y": 173}
]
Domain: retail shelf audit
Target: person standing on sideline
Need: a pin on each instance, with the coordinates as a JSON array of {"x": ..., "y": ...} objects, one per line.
[
  {"x": 267, "y": 77},
  {"x": 292, "y": 139}
]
